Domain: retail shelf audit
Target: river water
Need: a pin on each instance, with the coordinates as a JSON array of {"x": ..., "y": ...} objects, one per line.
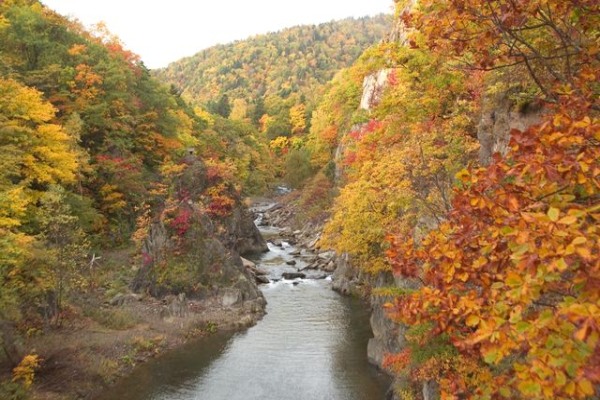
[{"x": 311, "y": 344}]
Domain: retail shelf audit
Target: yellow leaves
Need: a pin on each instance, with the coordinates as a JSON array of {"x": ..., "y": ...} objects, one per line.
[
  {"x": 585, "y": 387},
  {"x": 560, "y": 120},
  {"x": 171, "y": 170},
  {"x": 23, "y": 104},
  {"x": 204, "y": 115},
  {"x": 553, "y": 214},
  {"x": 530, "y": 388},
  {"x": 585, "y": 123},
  {"x": 463, "y": 175},
  {"x": 279, "y": 144},
  {"x": 13, "y": 203},
  {"x": 41, "y": 152},
  {"x": 25, "y": 371},
  {"x": 77, "y": 49},
  {"x": 568, "y": 220},
  {"x": 298, "y": 119},
  {"x": 481, "y": 261},
  {"x": 472, "y": 320},
  {"x": 113, "y": 200},
  {"x": 4, "y": 22}
]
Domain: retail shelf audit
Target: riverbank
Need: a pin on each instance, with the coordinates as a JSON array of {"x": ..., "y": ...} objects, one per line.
[
  {"x": 104, "y": 337},
  {"x": 310, "y": 344}
]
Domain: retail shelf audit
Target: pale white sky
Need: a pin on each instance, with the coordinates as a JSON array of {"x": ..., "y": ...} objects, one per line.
[{"x": 165, "y": 31}]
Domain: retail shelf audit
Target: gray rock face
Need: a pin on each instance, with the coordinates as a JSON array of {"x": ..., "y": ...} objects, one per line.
[
  {"x": 431, "y": 391},
  {"x": 241, "y": 234},
  {"x": 498, "y": 118},
  {"x": 346, "y": 278},
  {"x": 231, "y": 297},
  {"x": 373, "y": 87},
  {"x": 388, "y": 336}
]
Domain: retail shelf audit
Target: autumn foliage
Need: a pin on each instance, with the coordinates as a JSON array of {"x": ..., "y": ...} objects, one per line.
[{"x": 510, "y": 279}]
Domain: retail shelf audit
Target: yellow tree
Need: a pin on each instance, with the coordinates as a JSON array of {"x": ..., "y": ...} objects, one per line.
[
  {"x": 34, "y": 153},
  {"x": 298, "y": 119}
]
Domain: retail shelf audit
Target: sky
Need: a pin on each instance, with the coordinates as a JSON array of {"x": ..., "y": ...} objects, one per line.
[{"x": 165, "y": 31}]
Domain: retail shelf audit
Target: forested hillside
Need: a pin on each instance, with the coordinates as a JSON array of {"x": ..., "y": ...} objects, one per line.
[
  {"x": 93, "y": 152},
  {"x": 454, "y": 166},
  {"x": 495, "y": 257},
  {"x": 273, "y": 73}
]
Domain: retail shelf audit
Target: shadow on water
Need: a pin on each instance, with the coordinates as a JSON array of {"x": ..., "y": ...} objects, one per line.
[
  {"x": 170, "y": 371},
  {"x": 310, "y": 345}
]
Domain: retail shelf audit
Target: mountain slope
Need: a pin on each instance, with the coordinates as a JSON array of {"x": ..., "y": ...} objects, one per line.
[{"x": 296, "y": 60}]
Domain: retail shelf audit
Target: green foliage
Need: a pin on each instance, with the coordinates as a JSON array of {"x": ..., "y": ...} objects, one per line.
[
  {"x": 10, "y": 390},
  {"x": 86, "y": 136},
  {"x": 297, "y": 167},
  {"x": 116, "y": 319},
  {"x": 64, "y": 245},
  {"x": 296, "y": 61}
]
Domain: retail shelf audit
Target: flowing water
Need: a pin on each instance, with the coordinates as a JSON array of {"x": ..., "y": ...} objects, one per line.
[{"x": 310, "y": 345}]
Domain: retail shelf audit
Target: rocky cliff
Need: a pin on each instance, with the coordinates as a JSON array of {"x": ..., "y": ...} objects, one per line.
[
  {"x": 498, "y": 117},
  {"x": 187, "y": 250}
]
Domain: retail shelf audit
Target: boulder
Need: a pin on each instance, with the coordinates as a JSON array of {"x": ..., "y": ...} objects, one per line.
[
  {"x": 240, "y": 233},
  {"x": 346, "y": 278},
  {"x": 293, "y": 275},
  {"x": 247, "y": 263},
  {"x": 231, "y": 297},
  {"x": 327, "y": 255},
  {"x": 309, "y": 266},
  {"x": 291, "y": 262},
  {"x": 262, "y": 279},
  {"x": 330, "y": 267}
]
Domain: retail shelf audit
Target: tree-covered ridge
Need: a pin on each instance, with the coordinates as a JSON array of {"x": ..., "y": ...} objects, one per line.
[
  {"x": 91, "y": 149},
  {"x": 297, "y": 61},
  {"x": 498, "y": 263}
]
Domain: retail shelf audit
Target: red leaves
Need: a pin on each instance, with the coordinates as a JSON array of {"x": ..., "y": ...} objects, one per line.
[{"x": 182, "y": 221}]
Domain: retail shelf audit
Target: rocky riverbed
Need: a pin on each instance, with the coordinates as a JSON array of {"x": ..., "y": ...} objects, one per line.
[{"x": 310, "y": 344}]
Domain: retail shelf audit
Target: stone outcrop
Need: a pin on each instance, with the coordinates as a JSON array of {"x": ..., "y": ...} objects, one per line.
[
  {"x": 192, "y": 253},
  {"x": 346, "y": 278},
  {"x": 373, "y": 87},
  {"x": 241, "y": 234},
  {"x": 498, "y": 118}
]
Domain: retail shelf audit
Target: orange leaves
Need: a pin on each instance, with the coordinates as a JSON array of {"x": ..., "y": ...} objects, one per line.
[
  {"x": 534, "y": 38},
  {"x": 513, "y": 274},
  {"x": 397, "y": 362},
  {"x": 529, "y": 248}
]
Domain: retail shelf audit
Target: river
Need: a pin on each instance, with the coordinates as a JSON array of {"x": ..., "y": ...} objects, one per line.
[{"x": 311, "y": 344}]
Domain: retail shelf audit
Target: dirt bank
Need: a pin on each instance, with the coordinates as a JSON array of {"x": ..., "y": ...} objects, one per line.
[
  {"x": 104, "y": 336},
  {"x": 85, "y": 356}
]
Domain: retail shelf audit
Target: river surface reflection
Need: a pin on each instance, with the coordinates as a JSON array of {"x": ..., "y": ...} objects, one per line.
[{"x": 310, "y": 345}]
